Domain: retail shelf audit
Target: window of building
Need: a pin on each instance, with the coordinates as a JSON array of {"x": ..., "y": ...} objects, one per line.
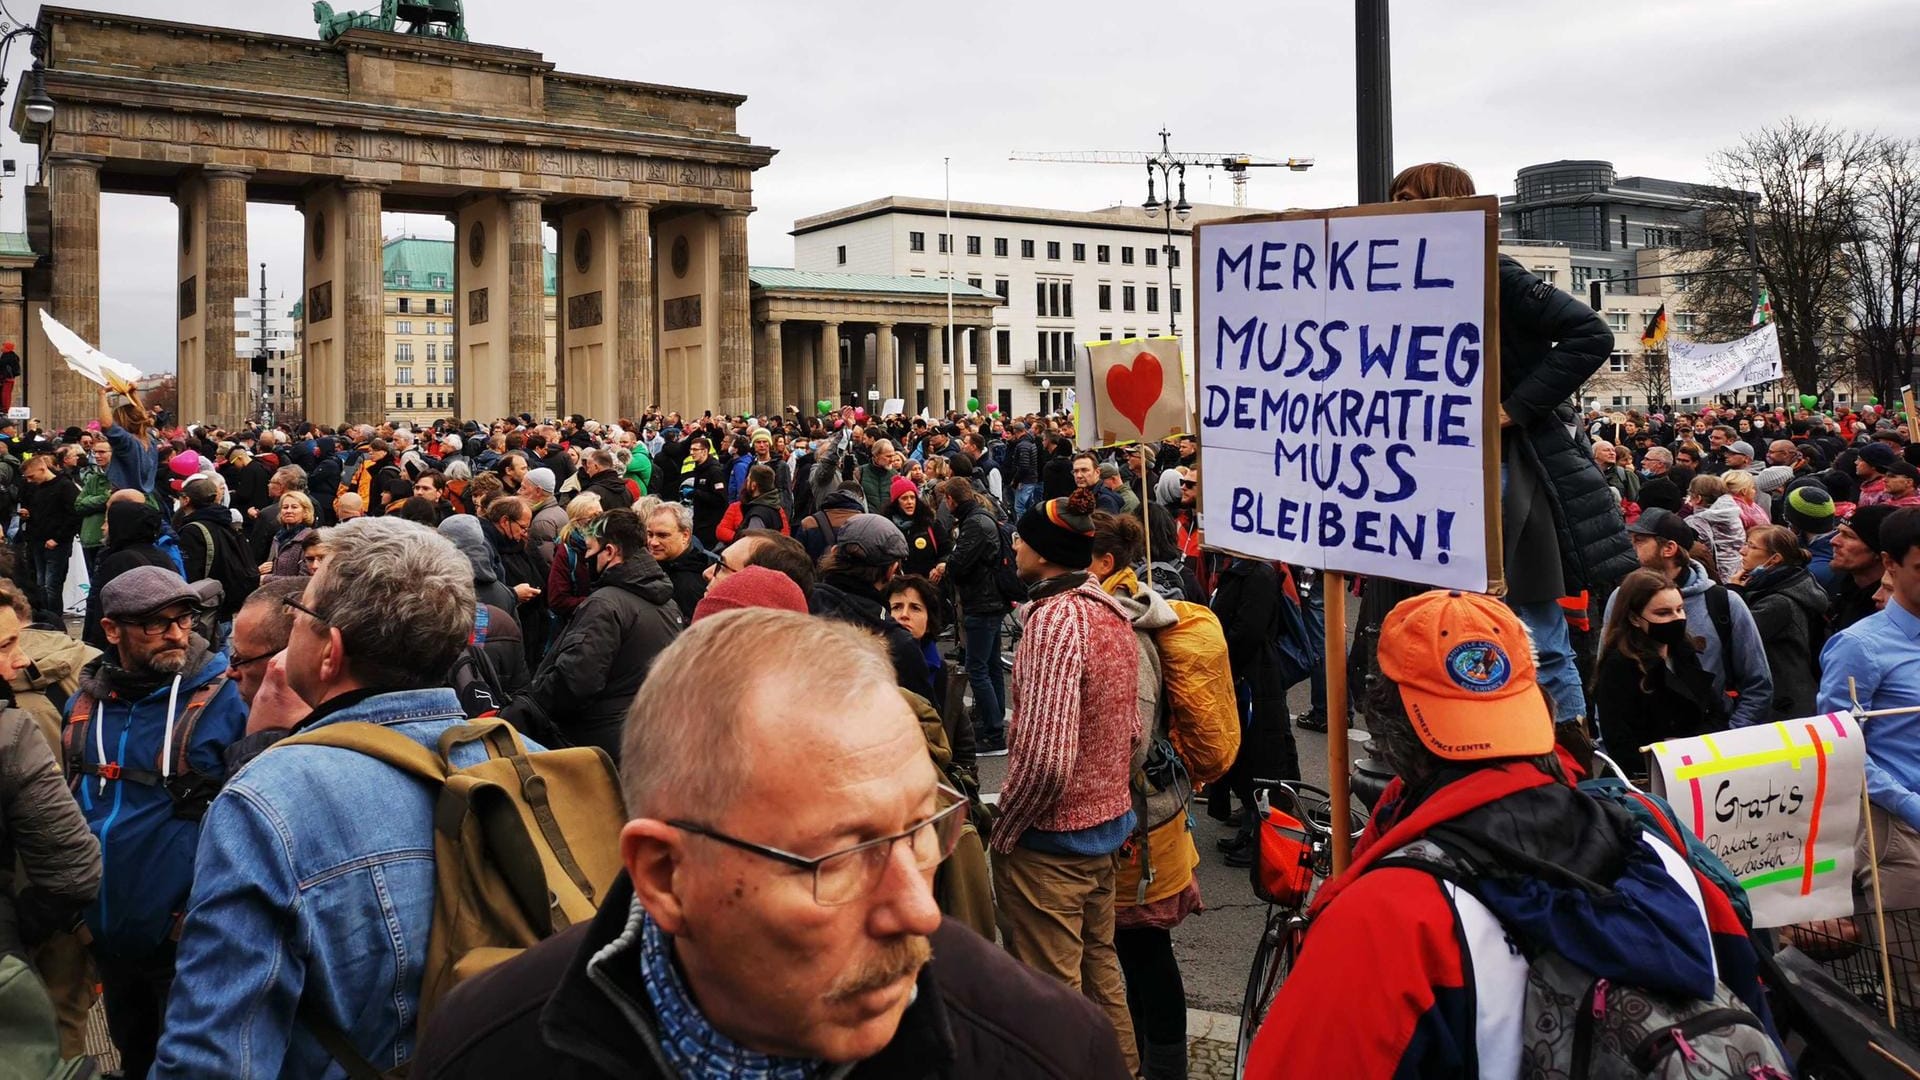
[
  {"x": 1026, "y": 249},
  {"x": 1079, "y": 253},
  {"x": 1102, "y": 253},
  {"x": 1106, "y": 297},
  {"x": 1617, "y": 321},
  {"x": 1003, "y": 346},
  {"x": 1617, "y": 363},
  {"x": 438, "y": 281},
  {"x": 1053, "y": 250},
  {"x": 1126, "y": 298},
  {"x": 1126, "y": 256},
  {"x": 1153, "y": 298},
  {"x": 841, "y": 253},
  {"x": 1153, "y": 256},
  {"x": 1005, "y": 396},
  {"x": 973, "y": 281},
  {"x": 1066, "y": 299},
  {"x": 403, "y": 305},
  {"x": 430, "y": 308},
  {"x": 1000, "y": 247},
  {"x": 446, "y": 376},
  {"x": 1621, "y": 401},
  {"x": 1173, "y": 257},
  {"x": 1683, "y": 322},
  {"x": 403, "y": 326},
  {"x": 973, "y": 245},
  {"x": 1106, "y": 335},
  {"x": 409, "y": 401},
  {"x": 1002, "y": 289},
  {"x": 1176, "y": 301},
  {"x": 432, "y": 377},
  {"x": 403, "y": 353},
  {"x": 916, "y": 241},
  {"x": 401, "y": 280},
  {"x": 1040, "y": 298},
  {"x": 397, "y": 399},
  {"x": 404, "y": 376},
  {"x": 432, "y": 348}
]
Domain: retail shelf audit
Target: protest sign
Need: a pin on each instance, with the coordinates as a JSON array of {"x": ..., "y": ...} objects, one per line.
[
  {"x": 1132, "y": 390},
  {"x": 893, "y": 406},
  {"x": 1779, "y": 804},
  {"x": 1697, "y": 370},
  {"x": 1347, "y": 374},
  {"x": 90, "y": 363}
]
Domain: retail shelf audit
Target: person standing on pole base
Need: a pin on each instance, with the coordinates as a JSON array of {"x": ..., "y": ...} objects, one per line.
[{"x": 1562, "y": 527}]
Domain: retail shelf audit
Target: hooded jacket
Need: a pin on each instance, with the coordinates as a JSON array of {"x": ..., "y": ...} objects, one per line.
[
  {"x": 573, "y": 1008},
  {"x": 1744, "y": 673},
  {"x": 1790, "y": 612},
  {"x": 41, "y": 827},
  {"x": 465, "y": 533},
  {"x": 148, "y": 849},
  {"x": 133, "y": 528},
  {"x": 1721, "y": 526},
  {"x": 590, "y": 675},
  {"x": 612, "y": 488},
  {"x": 1420, "y": 972}
]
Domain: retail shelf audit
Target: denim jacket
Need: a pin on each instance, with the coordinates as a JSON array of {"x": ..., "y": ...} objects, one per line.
[{"x": 315, "y": 880}]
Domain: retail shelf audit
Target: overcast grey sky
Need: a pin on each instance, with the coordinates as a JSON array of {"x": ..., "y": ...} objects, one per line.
[{"x": 863, "y": 99}]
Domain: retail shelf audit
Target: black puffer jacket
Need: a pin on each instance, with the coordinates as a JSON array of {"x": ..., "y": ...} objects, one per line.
[
  {"x": 590, "y": 676},
  {"x": 1790, "y": 610},
  {"x": 853, "y": 601},
  {"x": 1550, "y": 344},
  {"x": 976, "y": 555}
]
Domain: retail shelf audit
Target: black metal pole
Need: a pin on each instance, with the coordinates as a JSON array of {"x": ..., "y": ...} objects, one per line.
[{"x": 1373, "y": 99}]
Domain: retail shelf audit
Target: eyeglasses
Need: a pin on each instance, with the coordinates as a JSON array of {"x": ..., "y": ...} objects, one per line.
[
  {"x": 155, "y": 625},
  {"x": 239, "y": 662},
  {"x": 293, "y": 605},
  {"x": 843, "y": 876}
]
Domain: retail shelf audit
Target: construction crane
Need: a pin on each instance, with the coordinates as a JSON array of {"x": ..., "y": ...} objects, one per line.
[{"x": 1167, "y": 162}]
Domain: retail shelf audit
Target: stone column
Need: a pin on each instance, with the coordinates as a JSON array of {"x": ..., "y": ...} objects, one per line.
[
  {"x": 736, "y": 340},
  {"x": 936, "y": 369},
  {"x": 526, "y": 306},
  {"x": 73, "y": 184},
  {"x": 826, "y": 368},
  {"x": 633, "y": 358},
  {"x": 366, "y": 359},
  {"x": 455, "y": 308},
  {"x": 889, "y": 361},
  {"x": 983, "y": 363},
  {"x": 804, "y": 394},
  {"x": 770, "y": 375},
  {"x": 228, "y": 376}
]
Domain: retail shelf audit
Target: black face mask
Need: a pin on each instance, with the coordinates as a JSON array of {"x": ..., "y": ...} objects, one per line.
[{"x": 1670, "y": 634}]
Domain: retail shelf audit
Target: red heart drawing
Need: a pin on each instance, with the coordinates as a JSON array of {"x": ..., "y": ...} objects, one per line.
[{"x": 1134, "y": 390}]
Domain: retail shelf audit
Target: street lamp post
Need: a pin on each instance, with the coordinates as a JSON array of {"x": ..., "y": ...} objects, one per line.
[
  {"x": 1170, "y": 170},
  {"x": 39, "y": 106}
]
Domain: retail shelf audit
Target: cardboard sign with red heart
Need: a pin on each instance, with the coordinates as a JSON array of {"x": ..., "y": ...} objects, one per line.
[{"x": 1136, "y": 391}]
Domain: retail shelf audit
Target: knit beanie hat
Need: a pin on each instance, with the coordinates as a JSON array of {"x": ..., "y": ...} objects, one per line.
[
  {"x": 1866, "y": 521},
  {"x": 1061, "y": 530},
  {"x": 752, "y": 587},
  {"x": 1810, "y": 509},
  {"x": 901, "y": 486},
  {"x": 1660, "y": 493}
]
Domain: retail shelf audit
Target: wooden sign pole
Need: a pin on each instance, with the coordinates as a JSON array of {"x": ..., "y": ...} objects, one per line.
[
  {"x": 1146, "y": 517},
  {"x": 1913, "y": 414},
  {"x": 1334, "y": 603}
]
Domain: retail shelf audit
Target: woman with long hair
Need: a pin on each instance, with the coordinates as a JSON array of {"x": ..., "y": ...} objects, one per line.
[
  {"x": 136, "y": 448},
  {"x": 1790, "y": 611},
  {"x": 1648, "y": 684}
]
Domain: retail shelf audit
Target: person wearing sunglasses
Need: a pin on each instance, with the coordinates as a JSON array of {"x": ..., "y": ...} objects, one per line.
[{"x": 776, "y": 917}]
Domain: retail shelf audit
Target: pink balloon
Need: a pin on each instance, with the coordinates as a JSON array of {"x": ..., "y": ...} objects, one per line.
[
  {"x": 93, "y": 425},
  {"x": 993, "y": 408},
  {"x": 184, "y": 463},
  {"x": 859, "y": 414}
]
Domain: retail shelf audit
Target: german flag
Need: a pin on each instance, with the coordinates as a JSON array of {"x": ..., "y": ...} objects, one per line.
[{"x": 1655, "y": 335}]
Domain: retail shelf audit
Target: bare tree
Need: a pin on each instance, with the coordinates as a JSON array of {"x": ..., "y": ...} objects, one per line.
[
  {"x": 1784, "y": 203},
  {"x": 1650, "y": 376},
  {"x": 1883, "y": 268}
]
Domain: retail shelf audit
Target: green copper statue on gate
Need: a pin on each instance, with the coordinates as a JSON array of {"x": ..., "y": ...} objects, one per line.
[{"x": 427, "y": 18}]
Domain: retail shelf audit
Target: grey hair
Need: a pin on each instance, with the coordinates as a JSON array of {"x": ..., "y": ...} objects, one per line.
[
  {"x": 682, "y": 515},
  {"x": 291, "y": 477},
  {"x": 685, "y": 744},
  {"x": 370, "y": 562},
  {"x": 1660, "y": 453},
  {"x": 456, "y": 468}
]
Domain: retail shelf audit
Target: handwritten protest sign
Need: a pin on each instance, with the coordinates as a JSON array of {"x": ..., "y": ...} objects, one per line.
[
  {"x": 1132, "y": 390},
  {"x": 1344, "y": 361},
  {"x": 1780, "y": 804},
  {"x": 1705, "y": 370}
]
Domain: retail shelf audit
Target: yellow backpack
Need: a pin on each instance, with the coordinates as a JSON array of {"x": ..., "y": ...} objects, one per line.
[
  {"x": 1202, "y": 713},
  {"x": 525, "y": 845}
]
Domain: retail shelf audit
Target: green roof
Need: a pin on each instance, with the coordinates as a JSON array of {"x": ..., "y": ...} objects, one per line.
[
  {"x": 779, "y": 277},
  {"x": 14, "y": 243},
  {"x": 421, "y": 259}
]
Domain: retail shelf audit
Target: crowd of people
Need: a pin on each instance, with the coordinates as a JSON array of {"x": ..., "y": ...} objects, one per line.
[{"x": 786, "y": 642}]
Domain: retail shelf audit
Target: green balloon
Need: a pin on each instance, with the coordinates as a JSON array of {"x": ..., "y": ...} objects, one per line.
[
  {"x": 1808, "y": 401},
  {"x": 973, "y": 404},
  {"x": 1873, "y": 401},
  {"x": 823, "y": 406}
]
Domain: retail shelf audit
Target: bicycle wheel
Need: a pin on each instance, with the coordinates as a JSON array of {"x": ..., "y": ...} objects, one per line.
[{"x": 1271, "y": 962}]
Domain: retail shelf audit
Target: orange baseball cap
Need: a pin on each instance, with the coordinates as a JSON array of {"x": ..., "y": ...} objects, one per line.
[{"x": 1464, "y": 665}]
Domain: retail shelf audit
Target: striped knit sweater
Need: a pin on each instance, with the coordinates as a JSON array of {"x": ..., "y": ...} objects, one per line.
[{"x": 1070, "y": 741}]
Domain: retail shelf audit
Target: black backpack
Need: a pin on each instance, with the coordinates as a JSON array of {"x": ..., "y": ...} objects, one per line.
[
  {"x": 1006, "y": 575},
  {"x": 473, "y": 676},
  {"x": 227, "y": 561}
]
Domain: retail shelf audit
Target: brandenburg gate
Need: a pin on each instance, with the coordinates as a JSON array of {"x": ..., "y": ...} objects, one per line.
[{"x": 648, "y": 188}]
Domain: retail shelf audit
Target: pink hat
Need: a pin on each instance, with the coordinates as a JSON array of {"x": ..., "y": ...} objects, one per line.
[
  {"x": 901, "y": 486},
  {"x": 753, "y": 587}
]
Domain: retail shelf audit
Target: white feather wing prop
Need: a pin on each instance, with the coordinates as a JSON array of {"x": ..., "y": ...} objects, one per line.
[{"x": 92, "y": 364}]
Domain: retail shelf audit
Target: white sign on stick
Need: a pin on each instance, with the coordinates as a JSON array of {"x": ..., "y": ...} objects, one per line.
[
  {"x": 1706, "y": 370},
  {"x": 1343, "y": 365},
  {"x": 1779, "y": 804}
]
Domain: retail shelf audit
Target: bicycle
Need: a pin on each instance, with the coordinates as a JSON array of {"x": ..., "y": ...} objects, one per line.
[{"x": 1288, "y": 868}]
